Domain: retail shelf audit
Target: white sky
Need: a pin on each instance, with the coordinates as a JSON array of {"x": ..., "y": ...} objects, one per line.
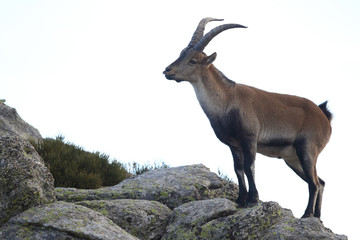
[{"x": 92, "y": 71}]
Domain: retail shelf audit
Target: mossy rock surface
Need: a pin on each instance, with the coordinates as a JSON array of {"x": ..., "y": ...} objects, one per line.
[
  {"x": 172, "y": 187},
  {"x": 62, "y": 220},
  {"x": 221, "y": 219},
  {"x": 25, "y": 181},
  {"x": 141, "y": 218}
]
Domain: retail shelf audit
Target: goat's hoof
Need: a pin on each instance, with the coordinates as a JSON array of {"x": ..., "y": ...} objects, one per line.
[
  {"x": 241, "y": 204},
  {"x": 252, "y": 204},
  {"x": 307, "y": 215}
]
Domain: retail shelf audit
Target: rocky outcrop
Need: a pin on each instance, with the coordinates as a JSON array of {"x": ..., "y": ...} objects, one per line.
[
  {"x": 25, "y": 182},
  {"x": 10, "y": 121},
  {"x": 172, "y": 187},
  {"x": 187, "y": 202},
  {"x": 201, "y": 208}
]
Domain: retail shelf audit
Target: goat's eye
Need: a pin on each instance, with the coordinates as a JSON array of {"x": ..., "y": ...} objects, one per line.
[{"x": 192, "y": 61}]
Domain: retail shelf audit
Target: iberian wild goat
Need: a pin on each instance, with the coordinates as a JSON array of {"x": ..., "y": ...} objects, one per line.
[{"x": 250, "y": 120}]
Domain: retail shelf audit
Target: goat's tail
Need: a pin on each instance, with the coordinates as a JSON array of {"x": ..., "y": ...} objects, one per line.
[{"x": 326, "y": 110}]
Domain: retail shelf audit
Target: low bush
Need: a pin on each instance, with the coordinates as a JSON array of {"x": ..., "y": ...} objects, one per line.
[{"x": 72, "y": 166}]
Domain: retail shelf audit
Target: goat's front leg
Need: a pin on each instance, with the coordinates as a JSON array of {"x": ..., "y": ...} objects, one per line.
[
  {"x": 249, "y": 167},
  {"x": 239, "y": 170}
]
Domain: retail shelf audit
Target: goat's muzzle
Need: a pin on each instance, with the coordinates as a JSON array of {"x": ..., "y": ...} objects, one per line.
[{"x": 168, "y": 75}]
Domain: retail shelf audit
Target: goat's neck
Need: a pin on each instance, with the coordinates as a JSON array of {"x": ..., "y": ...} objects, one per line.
[{"x": 212, "y": 91}]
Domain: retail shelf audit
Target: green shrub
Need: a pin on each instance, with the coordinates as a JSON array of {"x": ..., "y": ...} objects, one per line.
[{"x": 72, "y": 166}]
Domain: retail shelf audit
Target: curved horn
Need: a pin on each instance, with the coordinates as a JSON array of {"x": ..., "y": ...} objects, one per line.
[
  {"x": 199, "y": 32},
  {"x": 204, "y": 41}
]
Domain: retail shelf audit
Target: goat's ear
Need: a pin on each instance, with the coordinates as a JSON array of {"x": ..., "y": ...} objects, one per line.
[{"x": 210, "y": 59}]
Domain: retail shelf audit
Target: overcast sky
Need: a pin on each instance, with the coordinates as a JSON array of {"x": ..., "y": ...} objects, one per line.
[{"x": 92, "y": 71}]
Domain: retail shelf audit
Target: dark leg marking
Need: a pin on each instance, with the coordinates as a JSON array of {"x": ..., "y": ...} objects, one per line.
[
  {"x": 239, "y": 170},
  {"x": 307, "y": 162},
  {"x": 249, "y": 166}
]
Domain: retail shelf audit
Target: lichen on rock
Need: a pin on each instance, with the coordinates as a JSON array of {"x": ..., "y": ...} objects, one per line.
[
  {"x": 62, "y": 220},
  {"x": 24, "y": 179},
  {"x": 141, "y": 218},
  {"x": 220, "y": 219},
  {"x": 172, "y": 187}
]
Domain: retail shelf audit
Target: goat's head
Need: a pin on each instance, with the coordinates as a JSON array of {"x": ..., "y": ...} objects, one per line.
[{"x": 192, "y": 62}]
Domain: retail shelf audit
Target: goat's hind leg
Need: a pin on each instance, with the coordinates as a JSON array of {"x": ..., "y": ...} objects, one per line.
[
  {"x": 307, "y": 160},
  {"x": 294, "y": 164},
  {"x": 319, "y": 199}
]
